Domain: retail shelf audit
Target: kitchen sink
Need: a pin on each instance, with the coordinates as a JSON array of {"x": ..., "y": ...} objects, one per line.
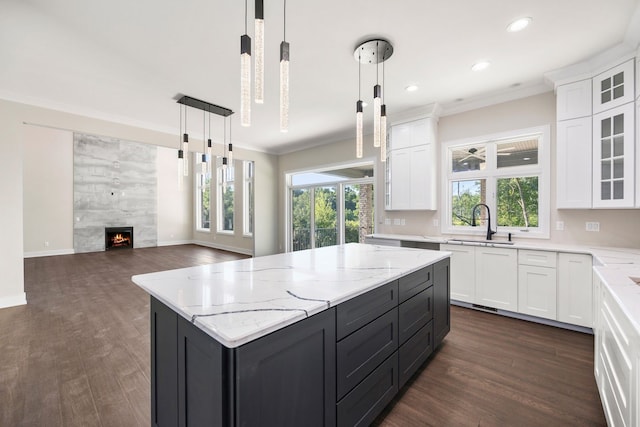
[{"x": 483, "y": 241}]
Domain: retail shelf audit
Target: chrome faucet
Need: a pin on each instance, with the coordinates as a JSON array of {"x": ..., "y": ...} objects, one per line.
[{"x": 473, "y": 219}]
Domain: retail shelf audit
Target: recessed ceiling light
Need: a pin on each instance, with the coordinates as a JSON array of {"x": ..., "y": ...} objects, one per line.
[
  {"x": 411, "y": 88},
  {"x": 480, "y": 65},
  {"x": 519, "y": 25}
]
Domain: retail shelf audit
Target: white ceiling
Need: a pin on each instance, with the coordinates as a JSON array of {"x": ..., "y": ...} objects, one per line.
[{"x": 125, "y": 60}]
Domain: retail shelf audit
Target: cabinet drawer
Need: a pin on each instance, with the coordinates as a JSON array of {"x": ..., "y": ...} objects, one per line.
[
  {"x": 414, "y": 313},
  {"x": 415, "y": 283},
  {"x": 359, "y": 311},
  {"x": 537, "y": 258},
  {"x": 359, "y": 353},
  {"x": 414, "y": 352},
  {"x": 368, "y": 399}
]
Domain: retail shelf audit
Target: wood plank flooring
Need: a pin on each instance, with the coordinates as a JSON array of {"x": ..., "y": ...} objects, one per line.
[{"x": 78, "y": 355}]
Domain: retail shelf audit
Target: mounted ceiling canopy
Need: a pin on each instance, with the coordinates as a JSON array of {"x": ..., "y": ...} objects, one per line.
[{"x": 373, "y": 51}]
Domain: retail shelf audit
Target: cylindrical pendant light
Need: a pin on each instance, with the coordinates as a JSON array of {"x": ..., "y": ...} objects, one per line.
[
  {"x": 209, "y": 148},
  {"x": 377, "y": 104},
  {"x": 185, "y": 144},
  {"x": 245, "y": 74},
  {"x": 383, "y": 133},
  {"x": 359, "y": 136},
  {"x": 230, "y": 150},
  {"x": 180, "y": 151},
  {"x": 259, "y": 52},
  {"x": 284, "y": 76}
]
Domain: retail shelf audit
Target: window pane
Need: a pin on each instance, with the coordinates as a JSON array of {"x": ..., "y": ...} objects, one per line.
[
  {"x": 518, "y": 202},
  {"x": 247, "y": 198},
  {"x": 325, "y": 209},
  {"x": 301, "y": 219},
  {"x": 518, "y": 153},
  {"x": 205, "y": 201},
  {"x": 468, "y": 158},
  {"x": 227, "y": 203},
  {"x": 464, "y": 196},
  {"x": 358, "y": 212}
]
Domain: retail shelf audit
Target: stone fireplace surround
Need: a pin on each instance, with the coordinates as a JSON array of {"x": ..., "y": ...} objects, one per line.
[{"x": 114, "y": 184}]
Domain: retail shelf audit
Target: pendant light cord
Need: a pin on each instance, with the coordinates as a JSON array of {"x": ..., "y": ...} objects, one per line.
[
  {"x": 180, "y": 130},
  {"x": 284, "y": 22},
  {"x": 377, "y": 61},
  {"x": 383, "y": 79},
  {"x": 245, "y": 16}
]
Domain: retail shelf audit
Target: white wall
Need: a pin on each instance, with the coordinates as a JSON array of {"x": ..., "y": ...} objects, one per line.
[
  {"x": 11, "y": 268},
  {"x": 175, "y": 197},
  {"x": 48, "y": 191}
]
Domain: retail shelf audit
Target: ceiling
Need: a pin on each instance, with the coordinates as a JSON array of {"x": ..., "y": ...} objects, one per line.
[{"x": 126, "y": 61}]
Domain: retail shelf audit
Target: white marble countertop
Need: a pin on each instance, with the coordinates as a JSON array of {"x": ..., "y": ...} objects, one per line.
[{"x": 236, "y": 302}]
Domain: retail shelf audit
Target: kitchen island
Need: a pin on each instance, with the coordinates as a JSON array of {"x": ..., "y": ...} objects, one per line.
[{"x": 318, "y": 337}]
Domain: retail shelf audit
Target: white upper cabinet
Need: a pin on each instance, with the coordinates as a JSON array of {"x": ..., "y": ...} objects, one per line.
[
  {"x": 614, "y": 158},
  {"x": 573, "y": 100},
  {"x": 573, "y": 163},
  {"x": 614, "y": 87},
  {"x": 412, "y": 164}
]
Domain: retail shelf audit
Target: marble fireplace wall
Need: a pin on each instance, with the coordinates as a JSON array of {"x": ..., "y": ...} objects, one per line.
[{"x": 114, "y": 184}]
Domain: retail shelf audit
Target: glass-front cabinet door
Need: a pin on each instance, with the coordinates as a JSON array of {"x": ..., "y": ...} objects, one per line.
[
  {"x": 613, "y": 158},
  {"x": 614, "y": 87}
]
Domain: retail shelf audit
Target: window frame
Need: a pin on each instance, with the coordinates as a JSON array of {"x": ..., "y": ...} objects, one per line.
[{"x": 492, "y": 173}]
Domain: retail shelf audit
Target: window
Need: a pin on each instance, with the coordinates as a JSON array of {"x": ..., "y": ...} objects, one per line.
[
  {"x": 203, "y": 196},
  {"x": 225, "y": 205},
  {"x": 330, "y": 207},
  {"x": 247, "y": 205},
  {"x": 509, "y": 173}
]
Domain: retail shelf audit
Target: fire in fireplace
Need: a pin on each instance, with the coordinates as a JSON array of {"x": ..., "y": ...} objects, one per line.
[{"x": 118, "y": 238}]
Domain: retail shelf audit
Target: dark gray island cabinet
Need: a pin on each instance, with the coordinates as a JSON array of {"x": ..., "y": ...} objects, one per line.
[{"x": 341, "y": 366}]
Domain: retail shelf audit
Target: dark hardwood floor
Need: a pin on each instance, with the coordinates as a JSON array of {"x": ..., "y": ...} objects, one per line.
[{"x": 78, "y": 355}]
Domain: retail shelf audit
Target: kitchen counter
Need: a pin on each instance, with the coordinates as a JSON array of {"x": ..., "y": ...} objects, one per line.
[
  {"x": 237, "y": 302},
  {"x": 614, "y": 266}
]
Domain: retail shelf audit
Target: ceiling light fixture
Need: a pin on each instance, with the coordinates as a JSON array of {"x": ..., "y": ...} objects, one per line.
[
  {"x": 411, "y": 88},
  {"x": 259, "y": 47},
  {"x": 245, "y": 74},
  {"x": 519, "y": 25},
  {"x": 183, "y": 151},
  {"x": 203, "y": 160},
  {"x": 383, "y": 125},
  {"x": 284, "y": 75},
  {"x": 359, "y": 136},
  {"x": 209, "y": 147},
  {"x": 374, "y": 52},
  {"x": 480, "y": 65}
]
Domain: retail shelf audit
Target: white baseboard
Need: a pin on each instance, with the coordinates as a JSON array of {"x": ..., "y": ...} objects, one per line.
[
  {"x": 175, "y": 242},
  {"x": 14, "y": 300},
  {"x": 223, "y": 247},
  {"x": 49, "y": 253}
]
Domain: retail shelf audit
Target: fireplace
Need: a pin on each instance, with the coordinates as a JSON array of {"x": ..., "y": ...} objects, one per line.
[{"x": 118, "y": 238}]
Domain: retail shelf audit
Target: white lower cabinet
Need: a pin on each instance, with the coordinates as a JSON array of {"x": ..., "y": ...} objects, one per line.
[
  {"x": 575, "y": 293},
  {"x": 537, "y": 291},
  {"x": 545, "y": 284},
  {"x": 463, "y": 274},
  {"x": 616, "y": 364},
  {"x": 496, "y": 272}
]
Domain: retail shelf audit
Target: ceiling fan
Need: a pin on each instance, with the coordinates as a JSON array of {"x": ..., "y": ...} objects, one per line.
[{"x": 480, "y": 154}]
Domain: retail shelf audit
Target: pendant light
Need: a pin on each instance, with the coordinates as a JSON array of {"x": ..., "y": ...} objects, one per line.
[
  {"x": 245, "y": 74},
  {"x": 377, "y": 104},
  {"x": 383, "y": 125},
  {"x": 284, "y": 75},
  {"x": 203, "y": 160},
  {"x": 373, "y": 52},
  {"x": 230, "y": 150},
  {"x": 259, "y": 52},
  {"x": 209, "y": 147},
  {"x": 359, "y": 124},
  {"x": 185, "y": 145},
  {"x": 180, "y": 150}
]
